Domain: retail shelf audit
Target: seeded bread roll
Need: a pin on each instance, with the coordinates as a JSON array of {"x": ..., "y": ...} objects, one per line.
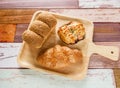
[
  {"x": 40, "y": 28},
  {"x": 72, "y": 32},
  {"x": 60, "y": 59},
  {"x": 47, "y": 18},
  {"x": 32, "y": 38}
]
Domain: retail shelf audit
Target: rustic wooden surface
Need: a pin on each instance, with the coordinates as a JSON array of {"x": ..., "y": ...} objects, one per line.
[
  {"x": 102, "y": 71},
  {"x": 99, "y": 3},
  {"x": 39, "y": 4},
  {"x": 25, "y": 78},
  {"x": 95, "y": 15},
  {"x": 7, "y": 32},
  {"x": 117, "y": 77},
  {"x": 60, "y": 4}
]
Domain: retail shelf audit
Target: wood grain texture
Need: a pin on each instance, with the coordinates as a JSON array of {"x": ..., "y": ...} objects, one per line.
[
  {"x": 99, "y": 3},
  {"x": 103, "y": 32},
  {"x": 106, "y": 32},
  {"x": 20, "y": 29},
  {"x": 16, "y": 19},
  {"x": 9, "y": 52},
  {"x": 95, "y": 15},
  {"x": 7, "y": 32},
  {"x": 17, "y": 15},
  {"x": 39, "y": 4},
  {"x": 17, "y": 12},
  {"x": 25, "y": 15},
  {"x": 26, "y": 78},
  {"x": 60, "y": 4},
  {"x": 8, "y": 55},
  {"x": 117, "y": 77}
]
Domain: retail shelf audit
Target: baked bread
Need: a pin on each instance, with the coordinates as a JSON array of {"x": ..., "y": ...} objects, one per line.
[
  {"x": 32, "y": 38},
  {"x": 72, "y": 32},
  {"x": 47, "y": 18},
  {"x": 40, "y": 28},
  {"x": 60, "y": 59}
]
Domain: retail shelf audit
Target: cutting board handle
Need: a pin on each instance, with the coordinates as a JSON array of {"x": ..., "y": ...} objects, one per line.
[{"x": 111, "y": 52}]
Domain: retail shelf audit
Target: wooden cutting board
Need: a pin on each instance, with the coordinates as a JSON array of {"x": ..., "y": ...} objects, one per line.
[{"x": 27, "y": 56}]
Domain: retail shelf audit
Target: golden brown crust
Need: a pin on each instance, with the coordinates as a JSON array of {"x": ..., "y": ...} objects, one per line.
[
  {"x": 72, "y": 32},
  {"x": 32, "y": 38},
  {"x": 47, "y": 18},
  {"x": 60, "y": 58},
  {"x": 40, "y": 28}
]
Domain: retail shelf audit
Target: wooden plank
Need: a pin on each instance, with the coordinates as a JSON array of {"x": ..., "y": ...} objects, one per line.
[
  {"x": 106, "y": 32},
  {"x": 95, "y": 15},
  {"x": 7, "y": 32},
  {"x": 117, "y": 77},
  {"x": 60, "y": 4},
  {"x": 103, "y": 32},
  {"x": 39, "y": 4},
  {"x": 8, "y": 55},
  {"x": 107, "y": 27},
  {"x": 17, "y": 15},
  {"x": 9, "y": 52},
  {"x": 26, "y": 78},
  {"x": 20, "y": 29},
  {"x": 99, "y": 3},
  {"x": 18, "y": 12},
  {"x": 15, "y": 19},
  {"x": 104, "y": 37}
]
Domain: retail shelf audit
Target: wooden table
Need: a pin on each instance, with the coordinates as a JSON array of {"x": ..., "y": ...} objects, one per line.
[{"x": 14, "y": 19}]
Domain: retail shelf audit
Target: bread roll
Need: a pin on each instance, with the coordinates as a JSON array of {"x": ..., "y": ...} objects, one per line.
[
  {"x": 47, "y": 18},
  {"x": 40, "y": 28},
  {"x": 72, "y": 32},
  {"x": 60, "y": 58},
  {"x": 32, "y": 38}
]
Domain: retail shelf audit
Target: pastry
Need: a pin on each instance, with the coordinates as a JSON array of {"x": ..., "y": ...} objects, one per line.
[
  {"x": 47, "y": 18},
  {"x": 32, "y": 38},
  {"x": 72, "y": 32},
  {"x": 60, "y": 59},
  {"x": 40, "y": 28}
]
